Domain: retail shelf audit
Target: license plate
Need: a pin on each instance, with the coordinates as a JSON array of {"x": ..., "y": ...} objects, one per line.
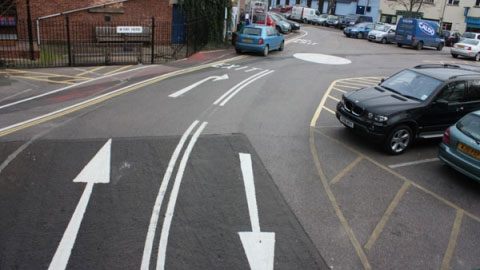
[
  {"x": 346, "y": 121},
  {"x": 461, "y": 46},
  {"x": 247, "y": 40},
  {"x": 474, "y": 153}
]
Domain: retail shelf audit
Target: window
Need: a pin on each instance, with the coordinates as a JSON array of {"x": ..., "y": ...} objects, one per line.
[
  {"x": 453, "y": 92},
  {"x": 297, "y": 2},
  {"x": 454, "y": 2},
  {"x": 390, "y": 19},
  {"x": 278, "y": 2},
  {"x": 287, "y": 2},
  {"x": 446, "y": 26},
  {"x": 473, "y": 92},
  {"x": 8, "y": 21},
  {"x": 477, "y": 3}
]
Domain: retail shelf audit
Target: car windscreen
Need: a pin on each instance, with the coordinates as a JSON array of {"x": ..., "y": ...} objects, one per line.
[
  {"x": 468, "y": 35},
  {"x": 470, "y": 126},
  {"x": 470, "y": 41},
  {"x": 259, "y": 17},
  {"x": 381, "y": 27},
  {"x": 412, "y": 84},
  {"x": 351, "y": 18},
  {"x": 252, "y": 31}
]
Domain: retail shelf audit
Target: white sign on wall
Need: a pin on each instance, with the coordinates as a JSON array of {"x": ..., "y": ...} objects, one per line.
[{"x": 129, "y": 29}]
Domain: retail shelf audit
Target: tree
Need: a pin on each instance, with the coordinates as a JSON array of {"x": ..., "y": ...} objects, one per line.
[
  {"x": 412, "y": 7},
  {"x": 331, "y": 6}
]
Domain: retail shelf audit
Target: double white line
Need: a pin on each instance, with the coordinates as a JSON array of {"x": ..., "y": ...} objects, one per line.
[
  {"x": 221, "y": 101},
  {"x": 162, "y": 249}
]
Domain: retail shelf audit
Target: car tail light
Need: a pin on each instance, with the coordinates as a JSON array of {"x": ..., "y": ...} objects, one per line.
[
  {"x": 469, "y": 48},
  {"x": 260, "y": 41},
  {"x": 236, "y": 38},
  {"x": 446, "y": 136}
]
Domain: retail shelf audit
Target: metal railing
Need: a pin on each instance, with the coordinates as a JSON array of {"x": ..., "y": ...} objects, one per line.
[{"x": 61, "y": 42}]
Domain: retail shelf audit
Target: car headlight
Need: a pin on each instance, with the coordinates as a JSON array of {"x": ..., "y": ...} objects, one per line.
[{"x": 377, "y": 118}]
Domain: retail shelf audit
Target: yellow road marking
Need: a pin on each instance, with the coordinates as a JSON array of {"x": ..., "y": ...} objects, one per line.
[
  {"x": 90, "y": 71},
  {"x": 112, "y": 95},
  {"x": 360, "y": 84},
  {"x": 117, "y": 70},
  {"x": 334, "y": 98},
  {"x": 322, "y": 103},
  {"x": 40, "y": 79},
  {"x": 348, "y": 86},
  {"x": 453, "y": 240},
  {"x": 333, "y": 201},
  {"x": 339, "y": 90},
  {"x": 328, "y": 110},
  {"x": 369, "y": 80},
  {"x": 379, "y": 228},
  {"x": 350, "y": 166},
  {"x": 48, "y": 74}
]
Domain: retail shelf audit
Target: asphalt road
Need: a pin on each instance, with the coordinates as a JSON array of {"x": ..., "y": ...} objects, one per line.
[{"x": 173, "y": 189}]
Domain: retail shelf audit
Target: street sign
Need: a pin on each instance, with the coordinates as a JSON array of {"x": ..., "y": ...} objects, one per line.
[{"x": 129, "y": 29}]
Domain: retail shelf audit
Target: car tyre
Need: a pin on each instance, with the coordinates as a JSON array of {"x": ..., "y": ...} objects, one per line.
[
  {"x": 238, "y": 51},
  {"x": 384, "y": 41},
  {"x": 477, "y": 57},
  {"x": 399, "y": 45},
  {"x": 265, "y": 50},
  {"x": 282, "y": 46},
  {"x": 454, "y": 55},
  {"x": 440, "y": 47},
  {"x": 398, "y": 140},
  {"x": 419, "y": 46}
]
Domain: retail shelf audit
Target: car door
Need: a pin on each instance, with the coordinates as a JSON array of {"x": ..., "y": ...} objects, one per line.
[
  {"x": 445, "y": 109},
  {"x": 391, "y": 35},
  {"x": 472, "y": 98},
  {"x": 369, "y": 27}
]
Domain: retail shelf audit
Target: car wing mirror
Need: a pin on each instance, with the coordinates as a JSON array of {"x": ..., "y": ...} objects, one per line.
[
  {"x": 441, "y": 103},
  {"x": 381, "y": 81}
]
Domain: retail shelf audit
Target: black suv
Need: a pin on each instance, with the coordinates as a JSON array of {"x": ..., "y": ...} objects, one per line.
[{"x": 419, "y": 102}]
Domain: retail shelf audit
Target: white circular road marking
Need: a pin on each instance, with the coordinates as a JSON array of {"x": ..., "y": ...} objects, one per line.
[{"x": 322, "y": 58}]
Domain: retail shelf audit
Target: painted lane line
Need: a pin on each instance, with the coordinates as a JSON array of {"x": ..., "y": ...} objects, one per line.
[
  {"x": 152, "y": 227},
  {"x": 259, "y": 246},
  {"x": 305, "y": 33},
  {"x": 17, "y": 94},
  {"x": 413, "y": 163},
  {"x": 339, "y": 90},
  {"x": 347, "y": 86},
  {"x": 67, "y": 87},
  {"x": 117, "y": 70},
  {"x": 90, "y": 70},
  {"x": 96, "y": 171},
  {"x": 322, "y": 104},
  {"x": 359, "y": 84},
  {"x": 188, "y": 88},
  {"x": 167, "y": 222},
  {"x": 453, "y": 240},
  {"x": 243, "y": 86},
  {"x": 216, "y": 102},
  {"x": 334, "y": 98},
  {"x": 328, "y": 110}
]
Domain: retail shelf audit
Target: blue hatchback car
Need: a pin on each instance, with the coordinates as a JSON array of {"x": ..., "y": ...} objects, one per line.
[
  {"x": 262, "y": 39},
  {"x": 359, "y": 30},
  {"x": 460, "y": 147}
]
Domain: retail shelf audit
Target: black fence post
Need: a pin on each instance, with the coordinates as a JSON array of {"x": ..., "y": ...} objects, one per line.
[
  {"x": 152, "y": 56},
  {"x": 30, "y": 34},
  {"x": 186, "y": 36},
  {"x": 69, "y": 49}
]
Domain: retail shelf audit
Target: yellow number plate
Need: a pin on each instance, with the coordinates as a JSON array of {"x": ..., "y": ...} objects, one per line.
[
  {"x": 461, "y": 46},
  {"x": 247, "y": 40},
  {"x": 474, "y": 153}
]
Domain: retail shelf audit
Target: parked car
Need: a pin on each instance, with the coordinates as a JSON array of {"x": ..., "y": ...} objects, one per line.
[
  {"x": 334, "y": 20},
  {"x": 360, "y": 30},
  {"x": 353, "y": 19},
  {"x": 320, "y": 20},
  {"x": 282, "y": 25},
  {"x": 468, "y": 48},
  {"x": 384, "y": 33},
  {"x": 418, "y": 34},
  {"x": 460, "y": 146},
  {"x": 419, "y": 102},
  {"x": 450, "y": 37},
  {"x": 293, "y": 25},
  {"x": 304, "y": 14},
  {"x": 471, "y": 35},
  {"x": 257, "y": 38},
  {"x": 259, "y": 18}
]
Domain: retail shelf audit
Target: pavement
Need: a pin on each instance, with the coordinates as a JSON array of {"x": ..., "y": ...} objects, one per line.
[{"x": 174, "y": 188}]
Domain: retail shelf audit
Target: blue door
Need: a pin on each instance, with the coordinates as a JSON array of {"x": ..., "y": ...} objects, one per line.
[{"x": 179, "y": 19}]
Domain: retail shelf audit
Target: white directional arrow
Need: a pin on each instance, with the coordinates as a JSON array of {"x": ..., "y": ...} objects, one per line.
[
  {"x": 188, "y": 88},
  {"x": 96, "y": 171},
  {"x": 259, "y": 246}
]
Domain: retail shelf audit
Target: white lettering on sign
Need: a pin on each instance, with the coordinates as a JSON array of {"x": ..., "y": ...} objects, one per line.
[{"x": 129, "y": 29}]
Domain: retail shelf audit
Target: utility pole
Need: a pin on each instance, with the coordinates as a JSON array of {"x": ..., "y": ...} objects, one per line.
[{"x": 30, "y": 34}]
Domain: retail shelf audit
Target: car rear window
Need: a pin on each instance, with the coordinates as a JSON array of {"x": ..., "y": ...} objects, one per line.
[
  {"x": 252, "y": 31},
  {"x": 470, "y": 41},
  {"x": 468, "y": 35},
  {"x": 470, "y": 126}
]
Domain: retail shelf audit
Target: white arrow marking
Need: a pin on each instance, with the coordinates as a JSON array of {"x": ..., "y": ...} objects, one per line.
[
  {"x": 96, "y": 171},
  {"x": 188, "y": 88},
  {"x": 259, "y": 246}
]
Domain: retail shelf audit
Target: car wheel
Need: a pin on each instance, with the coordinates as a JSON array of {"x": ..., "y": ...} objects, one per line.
[
  {"x": 398, "y": 140},
  {"x": 238, "y": 51},
  {"x": 399, "y": 45},
  {"x": 305, "y": 21},
  {"x": 419, "y": 46},
  {"x": 360, "y": 35},
  {"x": 369, "y": 40},
  {"x": 384, "y": 41},
  {"x": 282, "y": 46},
  {"x": 440, "y": 47},
  {"x": 265, "y": 50},
  {"x": 454, "y": 55},
  {"x": 477, "y": 57}
]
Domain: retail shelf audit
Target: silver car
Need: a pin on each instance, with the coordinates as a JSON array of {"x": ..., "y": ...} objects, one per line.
[
  {"x": 468, "y": 48},
  {"x": 383, "y": 33}
]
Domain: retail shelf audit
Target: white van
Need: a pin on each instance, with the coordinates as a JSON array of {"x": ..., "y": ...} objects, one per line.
[{"x": 304, "y": 14}]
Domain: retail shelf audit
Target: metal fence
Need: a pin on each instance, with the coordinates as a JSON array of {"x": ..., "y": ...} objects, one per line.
[{"x": 61, "y": 42}]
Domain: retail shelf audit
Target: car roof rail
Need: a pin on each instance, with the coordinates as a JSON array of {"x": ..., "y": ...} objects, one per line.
[
  {"x": 463, "y": 75},
  {"x": 437, "y": 66}
]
